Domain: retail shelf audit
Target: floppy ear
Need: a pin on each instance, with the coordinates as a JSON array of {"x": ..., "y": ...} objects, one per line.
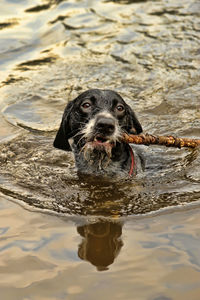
[
  {"x": 133, "y": 125},
  {"x": 64, "y": 132}
]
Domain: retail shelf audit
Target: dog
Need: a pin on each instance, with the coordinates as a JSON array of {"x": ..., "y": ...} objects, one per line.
[{"x": 92, "y": 127}]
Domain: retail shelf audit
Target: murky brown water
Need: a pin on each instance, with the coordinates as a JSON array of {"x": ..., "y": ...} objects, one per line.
[{"x": 75, "y": 237}]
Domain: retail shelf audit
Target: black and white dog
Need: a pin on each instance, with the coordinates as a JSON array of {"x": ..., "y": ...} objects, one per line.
[{"x": 95, "y": 122}]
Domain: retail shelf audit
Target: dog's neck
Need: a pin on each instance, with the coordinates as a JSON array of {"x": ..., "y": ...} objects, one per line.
[{"x": 121, "y": 162}]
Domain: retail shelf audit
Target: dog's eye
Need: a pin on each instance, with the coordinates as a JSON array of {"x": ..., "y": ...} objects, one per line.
[
  {"x": 86, "y": 105},
  {"x": 120, "y": 108}
]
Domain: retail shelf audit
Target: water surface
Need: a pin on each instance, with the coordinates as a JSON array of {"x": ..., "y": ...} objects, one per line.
[{"x": 72, "y": 236}]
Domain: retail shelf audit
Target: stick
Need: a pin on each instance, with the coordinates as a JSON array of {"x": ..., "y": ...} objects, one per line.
[{"x": 169, "y": 141}]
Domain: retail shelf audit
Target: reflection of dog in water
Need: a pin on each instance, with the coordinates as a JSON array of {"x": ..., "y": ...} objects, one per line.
[
  {"x": 96, "y": 121},
  {"x": 101, "y": 243}
]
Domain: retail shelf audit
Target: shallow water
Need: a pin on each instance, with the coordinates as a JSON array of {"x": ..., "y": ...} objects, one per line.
[
  {"x": 50, "y": 257},
  {"x": 143, "y": 234}
]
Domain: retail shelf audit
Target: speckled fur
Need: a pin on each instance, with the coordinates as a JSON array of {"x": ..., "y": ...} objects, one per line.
[{"x": 81, "y": 124}]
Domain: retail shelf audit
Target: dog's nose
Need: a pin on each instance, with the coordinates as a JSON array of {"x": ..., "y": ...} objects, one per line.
[{"x": 105, "y": 125}]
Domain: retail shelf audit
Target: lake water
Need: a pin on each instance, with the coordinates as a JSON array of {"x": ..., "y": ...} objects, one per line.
[{"x": 67, "y": 237}]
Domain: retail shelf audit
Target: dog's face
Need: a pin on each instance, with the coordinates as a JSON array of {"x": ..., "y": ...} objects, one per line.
[{"x": 96, "y": 119}]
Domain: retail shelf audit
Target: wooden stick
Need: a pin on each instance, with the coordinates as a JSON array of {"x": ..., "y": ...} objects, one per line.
[{"x": 169, "y": 141}]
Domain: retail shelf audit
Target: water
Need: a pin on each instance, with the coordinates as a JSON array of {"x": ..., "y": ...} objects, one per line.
[{"x": 66, "y": 237}]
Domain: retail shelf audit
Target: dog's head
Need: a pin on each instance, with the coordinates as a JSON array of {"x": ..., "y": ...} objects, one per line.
[{"x": 96, "y": 119}]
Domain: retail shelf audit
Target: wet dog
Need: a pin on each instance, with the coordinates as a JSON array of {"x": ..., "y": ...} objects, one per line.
[{"x": 94, "y": 123}]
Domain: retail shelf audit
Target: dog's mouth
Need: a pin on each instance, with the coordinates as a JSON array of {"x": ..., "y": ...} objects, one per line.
[
  {"x": 98, "y": 150},
  {"x": 101, "y": 140}
]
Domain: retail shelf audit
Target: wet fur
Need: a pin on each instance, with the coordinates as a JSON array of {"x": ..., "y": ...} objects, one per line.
[{"x": 87, "y": 126}]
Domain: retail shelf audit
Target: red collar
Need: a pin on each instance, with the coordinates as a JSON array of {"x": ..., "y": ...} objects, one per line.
[{"x": 133, "y": 165}]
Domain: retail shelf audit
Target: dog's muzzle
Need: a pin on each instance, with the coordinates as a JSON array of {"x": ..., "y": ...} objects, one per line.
[
  {"x": 101, "y": 130},
  {"x": 101, "y": 135},
  {"x": 104, "y": 129}
]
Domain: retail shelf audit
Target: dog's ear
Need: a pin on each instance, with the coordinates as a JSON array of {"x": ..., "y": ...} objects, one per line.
[
  {"x": 133, "y": 125},
  {"x": 64, "y": 132}
]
